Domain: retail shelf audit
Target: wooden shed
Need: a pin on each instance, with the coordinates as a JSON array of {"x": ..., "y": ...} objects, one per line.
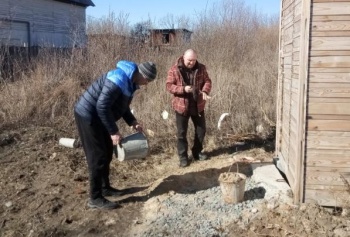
[
  {"x": 169, "y": 37},
  {"x": 313, "y": 104},
  {"x": 44, "y": 23}
]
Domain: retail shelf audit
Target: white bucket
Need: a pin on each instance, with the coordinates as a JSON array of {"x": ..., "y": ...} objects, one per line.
[
  {"x": 232, "y": 187},
  {"x": 68, "y": 142},
  {"x": 134, "y": 146}
]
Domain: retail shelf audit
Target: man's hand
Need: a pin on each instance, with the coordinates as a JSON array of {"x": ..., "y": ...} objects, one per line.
[
  {"x": 116, "y": 139},
  {"x": 205, "y": 96},
  {"x": 138, "y": 127},
  {"x": 188, "y": 89}
]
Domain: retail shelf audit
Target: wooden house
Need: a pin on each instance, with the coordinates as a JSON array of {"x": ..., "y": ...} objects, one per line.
[
  {"x": 43, "y": 23},
  {"x": 169, "y": 37},
  {"x": 313, "y": 115}
]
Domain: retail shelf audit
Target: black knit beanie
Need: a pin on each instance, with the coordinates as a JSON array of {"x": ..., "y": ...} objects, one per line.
[{"x": 148, "y": 70}]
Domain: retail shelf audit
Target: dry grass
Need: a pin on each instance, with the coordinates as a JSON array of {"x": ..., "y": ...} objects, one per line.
[{"x": 238, "y": 46}]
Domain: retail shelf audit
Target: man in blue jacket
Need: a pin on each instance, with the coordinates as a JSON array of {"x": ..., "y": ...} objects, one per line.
[{"x": 106, "y": 101}]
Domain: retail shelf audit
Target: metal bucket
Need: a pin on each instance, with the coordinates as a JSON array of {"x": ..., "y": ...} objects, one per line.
[
  {"x": 134, "y": 146},
  {"x": 232, "y": 187}
]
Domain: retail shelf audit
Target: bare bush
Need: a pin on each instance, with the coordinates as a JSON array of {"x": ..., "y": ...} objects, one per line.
[{"x": 239, "y": 46}]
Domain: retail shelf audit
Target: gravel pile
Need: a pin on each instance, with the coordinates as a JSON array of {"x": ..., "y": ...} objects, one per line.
[{"x": 202, "y": 213}]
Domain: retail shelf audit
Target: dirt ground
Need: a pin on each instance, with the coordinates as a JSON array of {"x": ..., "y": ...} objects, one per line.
[{"x": 44, "y": 191}]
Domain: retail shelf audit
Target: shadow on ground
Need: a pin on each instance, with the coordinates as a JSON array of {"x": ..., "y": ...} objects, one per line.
[
  {"x": 192, "y": 182},
  {"x": 230, "y": 146}
]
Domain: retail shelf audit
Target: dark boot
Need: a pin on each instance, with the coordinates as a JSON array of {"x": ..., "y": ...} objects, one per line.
[
  {"x": 200, "y": 156},
  {"x": 111, "y": 192},
  {"x": 102, "y": 203},
  {"x": 184, "y": 162}
]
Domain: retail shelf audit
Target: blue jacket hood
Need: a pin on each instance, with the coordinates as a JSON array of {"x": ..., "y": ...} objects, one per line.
[{"x": 122, "y": 76}]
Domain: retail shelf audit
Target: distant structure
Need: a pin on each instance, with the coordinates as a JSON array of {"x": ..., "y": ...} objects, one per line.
[
  {"x": 169, "y": 37},
  {"x": 43, "y": 23}
]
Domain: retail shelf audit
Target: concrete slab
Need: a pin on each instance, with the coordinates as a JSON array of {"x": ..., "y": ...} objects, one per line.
[{"x": 268, "y": 176}]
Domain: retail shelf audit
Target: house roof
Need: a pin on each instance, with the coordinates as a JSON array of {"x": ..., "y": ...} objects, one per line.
[
  {"x": 84, "y": 3},
  {"x": 170, "y": 30}
]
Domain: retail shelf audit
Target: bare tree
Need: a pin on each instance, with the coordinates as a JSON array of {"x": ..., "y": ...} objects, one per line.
[
  {"x": 111, "y": 24},
  {"x": 141, "y": 31}
]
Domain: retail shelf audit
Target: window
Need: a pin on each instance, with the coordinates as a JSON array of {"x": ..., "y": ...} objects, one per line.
[{"x": 165, "y": 38}]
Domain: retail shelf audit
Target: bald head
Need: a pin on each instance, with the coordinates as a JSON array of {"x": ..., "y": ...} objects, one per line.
[{"x": 190, "y": 58}]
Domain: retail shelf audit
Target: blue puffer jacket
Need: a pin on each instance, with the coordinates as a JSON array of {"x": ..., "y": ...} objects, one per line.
[{"x": 109, "y": 97}]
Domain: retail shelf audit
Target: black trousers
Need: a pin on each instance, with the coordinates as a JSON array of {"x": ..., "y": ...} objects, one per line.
[
  {"x": 98, "y": 148},
  {"x": 182, "y": 127}
]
